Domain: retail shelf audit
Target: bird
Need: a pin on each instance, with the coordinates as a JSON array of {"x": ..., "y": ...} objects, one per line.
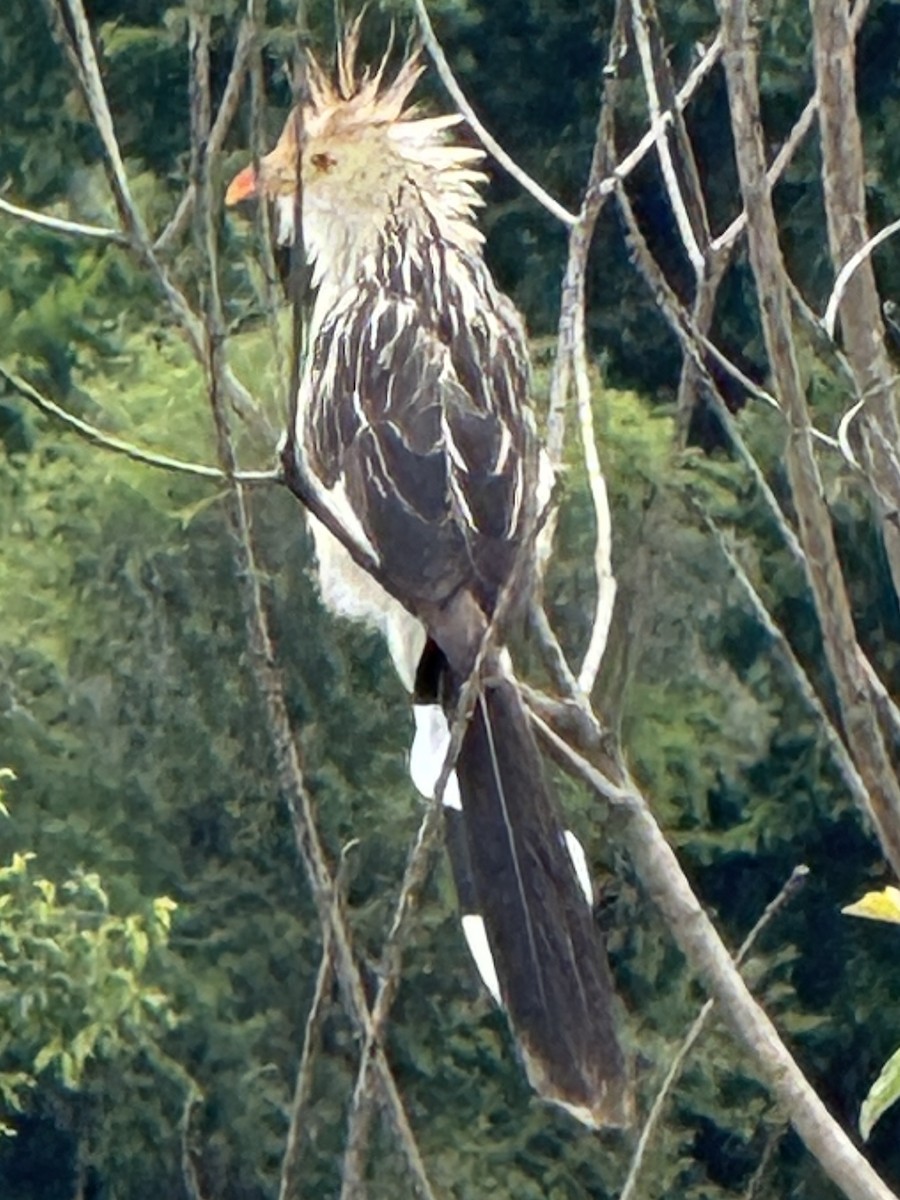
[{"x": 413, "y": 417}]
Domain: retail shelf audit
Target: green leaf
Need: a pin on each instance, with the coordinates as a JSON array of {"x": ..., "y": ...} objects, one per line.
[
  {"x": 46, "y": 1055},
  {"x": 882, "y": 1094}
]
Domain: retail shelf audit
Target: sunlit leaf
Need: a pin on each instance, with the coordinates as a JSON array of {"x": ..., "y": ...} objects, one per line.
[
  {"x": 877, "y": 906},
  {"x": 882, "y": 1094}
]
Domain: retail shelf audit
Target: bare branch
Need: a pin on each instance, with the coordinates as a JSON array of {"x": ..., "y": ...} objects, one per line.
[
  {"x": 304, "y": 1081},
  {"x": 571, "y": 366},
  {"x": 490, "y": 143},
  {"x": 663, "y": 879},
  {"x": 58, "y": 225},
  {"x": 188, "y": 1170},
  {"x": 262, "y": 223},
  {"x": 108, "y": 442},
  {"x": 217, "y": 133},
  {"x": 849, "y": 269},
  {"x": 605, "y": 581},
  {"x": 861, "y": 728},
  {"x": 785, "y": 155},
  {"x": 266, "y": 674},
  {"x": 683, "y": 325},
  {"x": 290, "y": 1162},
  {"x": 842, "y": 757},
  {"x": 74, "y": 34},
  {"x": 686, "y": 93},
  {"x": 788, "y": 891},
  {"x": 658, "y": 130}
]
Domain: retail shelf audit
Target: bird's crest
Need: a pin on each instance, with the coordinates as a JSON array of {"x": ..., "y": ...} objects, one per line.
[{"x": 356, "y": 97}]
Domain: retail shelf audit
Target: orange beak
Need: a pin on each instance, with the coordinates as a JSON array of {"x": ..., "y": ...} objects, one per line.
[{"x": 242, "y": 187}]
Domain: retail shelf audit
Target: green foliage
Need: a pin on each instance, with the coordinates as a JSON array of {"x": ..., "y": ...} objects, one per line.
[
  {"x": 127, "y": 711},
  {"x": 73, "y": 985},
  {"x": 884, "y": 1092}
]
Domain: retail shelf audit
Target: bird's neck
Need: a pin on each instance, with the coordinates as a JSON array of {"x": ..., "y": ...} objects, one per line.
[{"x": 408, "y": 237}]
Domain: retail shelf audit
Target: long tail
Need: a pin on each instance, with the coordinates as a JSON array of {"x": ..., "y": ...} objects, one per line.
[{"x": 517, "y": 885}]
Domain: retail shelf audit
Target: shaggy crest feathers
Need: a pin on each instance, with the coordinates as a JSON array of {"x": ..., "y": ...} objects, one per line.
[
  {"x": 364, "y": 146},
  {"x": 357, "y": 97}
]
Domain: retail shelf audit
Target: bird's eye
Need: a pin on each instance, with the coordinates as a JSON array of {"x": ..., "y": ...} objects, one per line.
[{"x": 323, "y": 162}]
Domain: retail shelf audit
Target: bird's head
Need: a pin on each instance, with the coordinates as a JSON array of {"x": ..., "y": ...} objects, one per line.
[{"x": 365, "y": 154}]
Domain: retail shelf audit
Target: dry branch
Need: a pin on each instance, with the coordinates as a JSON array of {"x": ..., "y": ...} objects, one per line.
[
  {"x": 861, "y": 727},
  {"x": 58, "y": 225},
  {"x": 290, "y": 1163},
  {"x": 790, "y": 889},
  {"x": 266, "y": 674},
  {"x": 662, "y": 877},
  {"x": 649, "y": 68},
  {"x": 107, "y": 441},
  {"x": 571, "y": 366},
  {"x": 843, "y": 172},
  {"x": 490, "y": 143},
  {"x": 72, "y": 31}
]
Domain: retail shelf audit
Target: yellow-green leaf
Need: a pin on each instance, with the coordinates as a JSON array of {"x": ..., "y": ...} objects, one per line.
[
  {"x": 877, "y": 906},
  {"x": 882, "y": 1094}
]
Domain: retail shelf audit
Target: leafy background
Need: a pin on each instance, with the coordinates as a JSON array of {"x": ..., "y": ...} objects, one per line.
[{"x": 143, "y": 773}]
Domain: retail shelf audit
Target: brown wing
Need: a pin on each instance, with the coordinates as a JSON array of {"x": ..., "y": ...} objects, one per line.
[{"x": 420, "y": 416}]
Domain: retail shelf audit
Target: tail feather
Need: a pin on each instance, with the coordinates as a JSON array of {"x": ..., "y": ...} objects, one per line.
[
  {"x": 524, "y": 894},
  {"x": 547, "y": 953}
]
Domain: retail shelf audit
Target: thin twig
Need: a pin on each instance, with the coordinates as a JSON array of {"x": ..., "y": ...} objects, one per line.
[
  {"x": 290, "y": 1162},
  {"x": 74, "y": 33},
  {"x": 571, "y": 366},
  {"x": 605, "y": 580},
  {"x": 693, "y": 341},
  {"x": 842, "y": 757},
  {"x": 847, "y": 271},
  {"x": 789, "y": 890},
  {"x": 785, "y": 155},
  {"x": 246, "y": 39},
  {"x": 58, "y": 225},
  {"x": 487, "y": 140},
  {"x": 269, "y": 683},
  {"x": 188, "y": 1171},
  {"x": 685, "y": 94},
  {"x": 136, "y": 453},
  {"x": 641, "y": 32},
  {"x": 754, "y": 1185},
  {"x": 262, "y": 219}
]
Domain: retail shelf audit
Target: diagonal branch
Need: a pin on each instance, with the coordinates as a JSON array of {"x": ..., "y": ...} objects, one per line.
[
  {"x": 246, "y": 41},
  {"x": 71, "y": 28},
  {"x": 663, "y": 879},
  {"x": 266, "y": 673},
  {"x": 290, "y": 1163},
  {"x": 58, "y": 225},
  {"x": 107, "y": 441},
  {"x": 792, "y": 886},
  {"x": 859, "y": 718},
  {"x": 487, "y": 140},
  {"x": 641, "y": 30},
  {"x": 842, "y": 757}
]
